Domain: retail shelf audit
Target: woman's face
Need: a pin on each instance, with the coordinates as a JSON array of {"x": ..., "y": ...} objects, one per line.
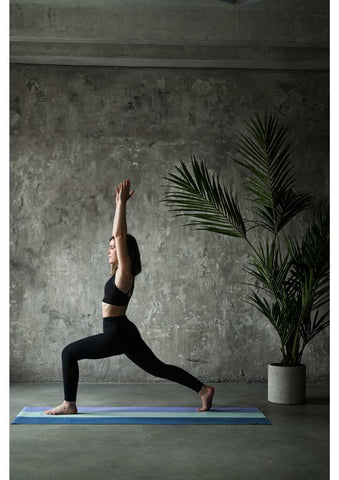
[{"x": 112, "y": 253}]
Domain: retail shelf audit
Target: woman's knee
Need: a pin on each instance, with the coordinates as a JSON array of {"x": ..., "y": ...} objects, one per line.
[{"x": 68, "y": 352}]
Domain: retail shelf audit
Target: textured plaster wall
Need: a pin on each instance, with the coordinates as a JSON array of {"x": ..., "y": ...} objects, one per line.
[{"x": 76, "y": 133}]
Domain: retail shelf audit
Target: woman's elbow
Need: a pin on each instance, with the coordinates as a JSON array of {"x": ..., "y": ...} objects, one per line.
[{"x": 120, "y": 234}]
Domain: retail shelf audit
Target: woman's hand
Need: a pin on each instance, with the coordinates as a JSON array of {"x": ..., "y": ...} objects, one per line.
[{"x": 122, "y": 191}]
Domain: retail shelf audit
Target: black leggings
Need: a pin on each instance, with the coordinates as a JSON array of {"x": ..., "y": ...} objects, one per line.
[{"x": 120, "y": 336}]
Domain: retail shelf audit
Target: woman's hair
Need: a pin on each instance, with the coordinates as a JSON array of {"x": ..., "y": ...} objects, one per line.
[{"x": 134, "y": 254}]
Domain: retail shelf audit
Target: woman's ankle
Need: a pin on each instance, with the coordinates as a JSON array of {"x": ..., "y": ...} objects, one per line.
[{"x": 202, "y": 390}]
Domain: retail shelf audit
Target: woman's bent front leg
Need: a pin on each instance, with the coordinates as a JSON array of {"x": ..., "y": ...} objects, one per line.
[{"x": 93, "y": 347}]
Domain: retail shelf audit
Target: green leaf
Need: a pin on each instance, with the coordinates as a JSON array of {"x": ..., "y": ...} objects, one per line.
[
  {"x": 202, "y": 196},
  {"x": 266, "y": 157}
]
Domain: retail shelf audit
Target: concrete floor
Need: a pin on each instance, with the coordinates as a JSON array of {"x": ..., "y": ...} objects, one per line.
[{"x": 295, "y": 446}]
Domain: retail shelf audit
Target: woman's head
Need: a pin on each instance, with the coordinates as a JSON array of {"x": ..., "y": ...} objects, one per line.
[{"x": 133, "y": 252}]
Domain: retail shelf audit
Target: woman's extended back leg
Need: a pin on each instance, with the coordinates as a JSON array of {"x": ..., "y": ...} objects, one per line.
[{"x": 142, "y": 355}]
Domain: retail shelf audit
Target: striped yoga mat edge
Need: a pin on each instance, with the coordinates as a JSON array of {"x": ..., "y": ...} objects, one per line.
[{"x": 144, "y": 415}]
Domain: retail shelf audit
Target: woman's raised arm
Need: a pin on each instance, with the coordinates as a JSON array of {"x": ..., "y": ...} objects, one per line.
[
  {"x": 122, "y": 195},
  {"x": 120, "y": 232}
]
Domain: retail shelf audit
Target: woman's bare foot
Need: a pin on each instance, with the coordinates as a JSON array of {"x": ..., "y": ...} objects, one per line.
[
  {"x": 63, "y": 409},
  {"x": 206, "y": 394}
]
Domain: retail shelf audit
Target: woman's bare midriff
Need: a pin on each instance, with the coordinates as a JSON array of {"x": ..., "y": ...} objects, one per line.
[{"x": 109, "y": 310}]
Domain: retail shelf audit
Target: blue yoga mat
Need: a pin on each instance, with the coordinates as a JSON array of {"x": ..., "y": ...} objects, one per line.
[{"x": 145, "y": 415}]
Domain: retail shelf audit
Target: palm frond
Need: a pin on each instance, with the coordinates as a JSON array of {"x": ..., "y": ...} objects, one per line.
[
  {"x": 294, "y": 287},
  {"x": 266, "y": 156},
  {"x": 270, "y": 269},
  {"x": 277, "y": 314},
  {"x": 201, "y": 195},
  {"x": 310, "y": 274}
]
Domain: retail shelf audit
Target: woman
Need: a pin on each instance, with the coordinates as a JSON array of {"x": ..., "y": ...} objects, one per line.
[{"x": 120, "y": 335}]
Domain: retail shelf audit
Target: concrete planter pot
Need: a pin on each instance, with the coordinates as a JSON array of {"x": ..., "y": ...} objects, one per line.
[{"x": 286, "y": 384}]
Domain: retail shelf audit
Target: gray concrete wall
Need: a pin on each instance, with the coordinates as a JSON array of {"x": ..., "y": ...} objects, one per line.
[
  {"x": 279, "y": 34},
  {"x": 76, "y": 132}
]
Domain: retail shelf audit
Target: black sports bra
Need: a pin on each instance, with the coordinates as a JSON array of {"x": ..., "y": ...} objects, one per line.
[{"x": 114, "y": 296}]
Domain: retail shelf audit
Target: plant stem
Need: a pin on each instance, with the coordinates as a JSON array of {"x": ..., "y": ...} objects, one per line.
[{"x": 250, "y": 244}]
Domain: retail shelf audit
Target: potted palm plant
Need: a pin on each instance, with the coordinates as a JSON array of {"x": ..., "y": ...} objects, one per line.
[{"x": 291, "y": 275}]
